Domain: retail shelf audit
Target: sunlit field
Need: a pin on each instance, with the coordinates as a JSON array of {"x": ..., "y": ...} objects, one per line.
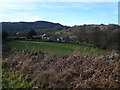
[{"x": 59, "y": 49}]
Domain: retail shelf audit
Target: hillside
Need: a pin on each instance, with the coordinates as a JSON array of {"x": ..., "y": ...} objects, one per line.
[{"x": 23, "y": 26}]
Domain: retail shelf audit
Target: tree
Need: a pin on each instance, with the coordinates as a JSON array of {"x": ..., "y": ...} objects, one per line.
[
  {"x": 4, "y": 35},
  {"x": 81, "y": 34},
  {"x": 31, "y": 33},
  {"x": 94, "y": 36}
]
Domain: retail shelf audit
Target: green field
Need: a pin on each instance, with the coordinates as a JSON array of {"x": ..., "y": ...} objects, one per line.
[{"x": 60, "y": 49}]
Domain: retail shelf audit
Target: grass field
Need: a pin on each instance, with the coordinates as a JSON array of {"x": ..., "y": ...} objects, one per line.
[{"x": 60, "y": 49}]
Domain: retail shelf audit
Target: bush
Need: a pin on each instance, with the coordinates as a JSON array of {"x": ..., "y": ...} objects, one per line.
[
  {"x": 106, "y": 39},
  {"x": 75, "y": 71}
]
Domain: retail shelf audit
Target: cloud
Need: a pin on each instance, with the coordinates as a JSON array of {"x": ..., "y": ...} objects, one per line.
[
  {"x": 16, "y": 6},
  {"x": 63, "y": 5},
  {"x": 21, "y": 16},
  {"x": 115, "y": 12},
  {"x": 8, "y": 6},
  {"x": 59, "y": 0},
  {"x": 31, "y": 4},
  {"x": 33, "y": 10}
]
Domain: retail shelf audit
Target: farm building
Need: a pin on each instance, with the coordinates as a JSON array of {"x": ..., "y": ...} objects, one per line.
[{"x": 61, "y": 39}]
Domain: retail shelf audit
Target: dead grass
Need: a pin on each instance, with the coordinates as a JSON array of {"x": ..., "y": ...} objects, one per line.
[{"x": 76, "y": 71}]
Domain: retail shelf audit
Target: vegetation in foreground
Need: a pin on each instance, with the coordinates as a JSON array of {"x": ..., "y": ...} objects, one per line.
[
  {"x": 13, "y": 79},
  {"x": 59, "y": 49},
  {"x": 30, "y": 67},
  {"x": 42, "y": 70}
]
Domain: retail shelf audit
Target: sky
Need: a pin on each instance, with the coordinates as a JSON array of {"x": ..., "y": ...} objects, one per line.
[{"x": 66, "y": 12}]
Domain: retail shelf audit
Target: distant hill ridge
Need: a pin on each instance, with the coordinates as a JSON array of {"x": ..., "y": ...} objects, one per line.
[
  {"x": 23, "y": 26},
  {"x": 46, "y": 25}
]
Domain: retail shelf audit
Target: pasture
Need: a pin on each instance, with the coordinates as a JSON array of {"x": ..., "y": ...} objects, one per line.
[{"x": 59, "y": 49}]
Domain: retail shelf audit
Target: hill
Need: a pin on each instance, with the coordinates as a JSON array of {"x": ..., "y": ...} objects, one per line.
[{"x": 23, "y": 26}]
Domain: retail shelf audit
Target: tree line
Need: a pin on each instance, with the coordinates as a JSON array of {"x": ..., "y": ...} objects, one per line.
[{"x": 108, "y": 38}]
